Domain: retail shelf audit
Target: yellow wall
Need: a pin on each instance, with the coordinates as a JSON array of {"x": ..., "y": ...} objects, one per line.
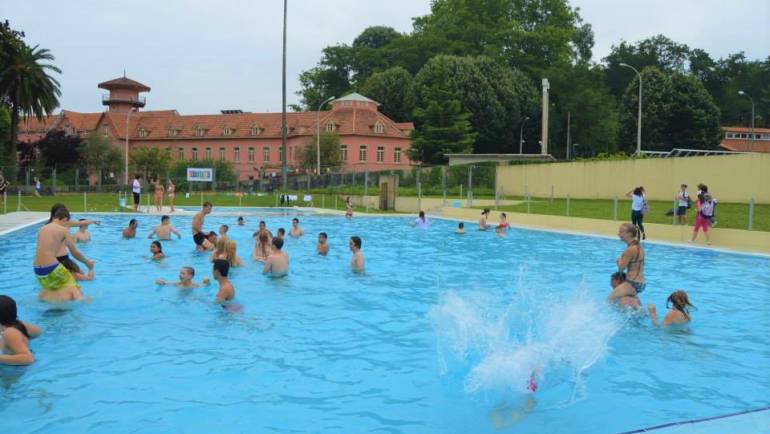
[{"x": 731, "y": 178}]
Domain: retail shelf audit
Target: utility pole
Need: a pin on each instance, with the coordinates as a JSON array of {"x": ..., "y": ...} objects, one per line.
[
  {"x": 544, "y": 127},
  {"x": 569, "y": 140},
  {"x": 283, "y": 104}
]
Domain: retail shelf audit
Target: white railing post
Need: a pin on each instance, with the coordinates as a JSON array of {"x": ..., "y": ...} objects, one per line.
[{"x": 751, "y": 213}]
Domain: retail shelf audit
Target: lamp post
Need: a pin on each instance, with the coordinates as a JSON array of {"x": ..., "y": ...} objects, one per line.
[
  {"x": 283, "y": 105},
  {"x": 639, "y": 114},
  {"x": 318, "y": 135},
  {"x": 740, "y": 92},
  {"x": 128, "y": 116},
  {"x": 521, "y": 134}
]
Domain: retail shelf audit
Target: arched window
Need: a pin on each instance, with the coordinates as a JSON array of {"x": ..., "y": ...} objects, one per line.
[
  {"x": 329, "y": 127},
  {"x": 255, "y": 130},
  {"x": 142, "y": 132},
  {"x": 199, "y": 131},
  {"x": 379, "y": 128}
]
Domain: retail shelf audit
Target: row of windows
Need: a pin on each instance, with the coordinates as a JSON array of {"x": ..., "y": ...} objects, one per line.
[
  {"x": 747, "y": 136},
  {"x": 200, "y": 131},
  {"x": 362, "y": 154}
]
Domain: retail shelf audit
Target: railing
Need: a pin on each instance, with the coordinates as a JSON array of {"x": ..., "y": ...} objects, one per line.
[
  {"x": 676, "y": 152},
  {"x": 106, "y": 99}
]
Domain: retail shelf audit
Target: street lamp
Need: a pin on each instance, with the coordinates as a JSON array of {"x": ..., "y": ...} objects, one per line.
[
  {"x": 128, "y": 116},
  {"x": 740, "y": 92},
  {"x": 521, "y": 134},
  {"x": 318, "y": 134},
  {"x": 639, "y": 115}
]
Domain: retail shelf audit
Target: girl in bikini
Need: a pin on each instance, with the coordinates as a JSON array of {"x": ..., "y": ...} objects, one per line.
[
  {"x": 631, "y": 262},
  {"x": 170, "y": 191},
  {"x": 158, "y": 195}
]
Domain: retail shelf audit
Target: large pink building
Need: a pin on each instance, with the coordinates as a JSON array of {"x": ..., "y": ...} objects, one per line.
[{"x": 369, "y": 140}]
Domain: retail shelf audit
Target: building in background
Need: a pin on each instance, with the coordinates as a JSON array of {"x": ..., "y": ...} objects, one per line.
[
  {"x": 744, "y": 139},
  {"x": 251, "y": 142}
]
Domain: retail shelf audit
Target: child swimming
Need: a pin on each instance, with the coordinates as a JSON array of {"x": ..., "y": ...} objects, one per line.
[
  {"x": 14, "y": 348},
  {"x": 186, "y": 275},
  {"x": 679, "y": 312},
  {"x": 157, "y": 251}
]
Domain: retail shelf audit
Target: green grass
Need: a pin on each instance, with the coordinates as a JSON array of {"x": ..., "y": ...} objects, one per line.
[{"x": 729, "y": 215}]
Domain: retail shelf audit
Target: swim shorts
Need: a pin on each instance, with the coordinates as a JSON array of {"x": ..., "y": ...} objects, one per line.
[
  {"x": 198, "y": 238},
  {"x": 136, "y": 198},
  {"x": 55, "y": 277}
]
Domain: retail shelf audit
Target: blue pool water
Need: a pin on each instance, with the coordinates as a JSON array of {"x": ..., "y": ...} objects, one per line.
[{"x": 440, "y": 335}]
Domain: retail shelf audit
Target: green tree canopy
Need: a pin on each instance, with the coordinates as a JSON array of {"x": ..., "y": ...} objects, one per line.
[
  {"x": 392, "y": 88},
  {"x": 330, "y": 152},
  {"x": 98, "y": 156},
  {"x": 151, "y": 162},
  {"x": 442, "y": 129}
]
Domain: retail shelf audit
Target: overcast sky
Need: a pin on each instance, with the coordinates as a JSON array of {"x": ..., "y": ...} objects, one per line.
[{"x": 202, "y": 56}]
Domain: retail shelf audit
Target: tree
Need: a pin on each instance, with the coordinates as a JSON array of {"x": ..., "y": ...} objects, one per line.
[
  {"x": 330, "y": 152},
  {"x": 150, "y": 161},
  {"x": 392, "y": 88},
  {"x": 694, "y": 118},
  {"x": 656, "y": 105},
  {"x": 25, "y": 83},
  {"x": 442, "y": 128},
  {"x": 5, "y": 132},
  {"x": 56, "y": 149},
  {"x": 97, "y": 155},
  {"x": 332, "y": 77}
]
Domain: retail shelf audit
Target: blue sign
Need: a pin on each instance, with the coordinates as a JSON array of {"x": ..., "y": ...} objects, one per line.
[{"x": 200, "y": 175}]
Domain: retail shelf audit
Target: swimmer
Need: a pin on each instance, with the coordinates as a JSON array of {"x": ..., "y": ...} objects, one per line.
[
  {"x": 227, "y": 249},
  {"x": 262, "y": 230},
  {"x": 263, "y": 248},
  {"x": 130, "y": 231},
  {"x": 323, "y": 247},
  {"x": 357, "y": 261},
  {"x": 82, "y": 235},
  {"x": 56, "y": 281},
  {"x": 631, "y": 262},
  {"x": 226, "y": 290},
  {"x": 186, "y": 275},
  {"x": 15, "y": 334},
  {"x": 483, "y": 220},
  {"x": 503, "y": 224},
  {"x": 75, "y": 269},
  {"x": 164, "y": 230},
  {"x": 281, "y": 233},
  {"x": 223, "y": 230},
  {"x": 460, "y": 228},
  {"x": 631, "y": 301},
  {"x": 277, "y": 263},
  {"x": 70, "y": 247},
  {"x": 197, "y": 225},
  {"x": 421, "y": 221},
  {"x": 157, "y": 251},
  {"x": 679, "y": 312},
  {"x": 296, "y": 231},
  {"x": 241, "y": 221}
]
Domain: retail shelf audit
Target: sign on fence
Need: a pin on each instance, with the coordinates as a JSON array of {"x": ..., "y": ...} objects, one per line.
[{"x": 200, "y": 175}]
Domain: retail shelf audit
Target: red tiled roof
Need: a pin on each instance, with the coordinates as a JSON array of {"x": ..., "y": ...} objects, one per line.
[
  {"x": 81, "y": 121},
  {"x": 33, "y": 125},
  {"x": 745, "y": 130},
  {"x": 123, "y": 83},
  {"x": 743, "y": 145},
  {"x": 405, "y": 126}
]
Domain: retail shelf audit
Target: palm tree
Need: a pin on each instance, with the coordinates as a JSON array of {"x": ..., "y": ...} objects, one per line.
[{"x": 27, "y": 87}]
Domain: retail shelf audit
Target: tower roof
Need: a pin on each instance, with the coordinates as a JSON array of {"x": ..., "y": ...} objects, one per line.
[
  {"x": 124, "y": 83},
  {"x": 355, "y": 97}
]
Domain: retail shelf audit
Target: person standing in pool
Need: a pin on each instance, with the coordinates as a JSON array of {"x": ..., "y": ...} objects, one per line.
[
  {"x": 616, "y": 280},
  {"x": 226, "y": 290},
  {"x": 241, "y": 221},
  {"x": 56, "y": 281},
  {"x": 280, "y": 233},
  {"x": 679, "y": 312},
  {"x": 421, "y": 221},
  {"x": 164, "y": 230},
  {"x": 157, "y": 251},
  {"x": 82, "y": 235},
  {"x": 638, "y": 208},
  {"x": 323, "y": 247},
  {"x": 296, "y": 231},
  {"x": 357, "y": 261},
  {"x": 460, "y": 228},
  {"x": 130, "y": 231},
  {"x": 263, "y": 247},
  {"x": 277, "y": 263},
  {"x": 171, "y": 193},
  {"x": 136, "y": 189},
  {"x": 186, "y": 275},
  {"x": 70, "y": 247},
  {"x": 197, "y": 224},
  {"x": 15, "y": 335},
  {"x": 262, "y": 230},
  {"x": 503, "y": 224},
  {"x": 631, "y": 262},
  {"x": 483, "y": 220}
]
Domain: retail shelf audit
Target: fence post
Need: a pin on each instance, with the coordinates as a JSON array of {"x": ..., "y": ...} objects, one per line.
[
  {"x": 568, "y": 205},
  {"x": 552, "y": 194},
  {"x": 443, "y": 183},
  {"x": 366, "y": 184},
  {"x": 148, "y": 199},
  {"x": 470, "y": 186},
  {"x": 85, "y": 201},
  {"x": 77, "y": 179},
  {"x": 5, "y": 202},
  {"x": 419, "y": 190},
  {"x": 676, "y": 208},
  {"x": 276, "y": 200},
  {"x": 529, "y": 203},
  {"x": 751, "y": 213},
  {"x": 461, "y": 191},
  {"x": 335, "y": 200},
  {"x": 53, "y": 188},
  {"x": 18, "y": 202},
  {"x": 615, "y": 208},
  {"x": 323, "y": 201}
]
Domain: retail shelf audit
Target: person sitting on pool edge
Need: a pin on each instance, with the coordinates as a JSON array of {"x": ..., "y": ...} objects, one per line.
[
  {"x": 632, "y": 301},
  {"x": 186, "y": 275},
  {"x": 323, "y": 247},
  {"x": 679, "y": 312},
  {"x": 157, "y": 251},
  {"x": 226, "y": 290},
  {"x": 15, "y": 335},
  {"x": 130, "y": 231},
  {"x": 164, "y": 230},
  {"x": 460, "y": 228},
  {"x": 277, "y": 263},
  {"x": 357, "y": 261},
  {"x": 296, "y": 231}
]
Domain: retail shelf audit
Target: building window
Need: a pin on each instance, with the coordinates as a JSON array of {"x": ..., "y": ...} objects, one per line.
[
  {"x": 237, "y": 155},
  {"x": 208, "y": 153},
  {"x": 252, "y": 155},
  {"x": 255, "y": 131},
  {"x": 362, "y": 153},
  {"x": 380, "y": 154},
  {"x": 172, "y": 132},
  {"x": 180, "y": 153},
  {"x": 397, "y": 155},
  {"x": 194, "y": 154},
  {"x": 379, "y": 128},
  {"x": 227, "y": 131},
  {"x": 222, "y": 154},
  {"x": 199, "y": 131},
  {"x": 105, "y": 129},
  {"x": 344, "y": 152},
  {"x": 142, "y": 132},
  {"x": 266, "y": 154},
  {"x": 329, "y": 127}
]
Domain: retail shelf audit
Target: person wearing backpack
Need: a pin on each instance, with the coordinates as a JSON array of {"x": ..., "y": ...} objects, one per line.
[
  {"x": 683, "y": 204},
  {"x": 639, "y": 208},
  {"x": 706, "y": 211}
]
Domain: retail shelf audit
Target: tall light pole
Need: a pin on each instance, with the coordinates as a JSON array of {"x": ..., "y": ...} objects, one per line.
[
  {"x": 740, "y": 92},
  {"x": 283, "y": 105},
  {"x": 639, "y": 113},
  {"x": 318, "y": 135},
  {"x": 521, "y": 134},
  {"x": 128, "y": 116}
]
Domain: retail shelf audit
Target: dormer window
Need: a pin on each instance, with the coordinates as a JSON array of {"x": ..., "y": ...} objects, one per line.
[
  {"x": 199, "y": 131},
  {"x": 172, "y": 132},
  {"x": 379, "y": 128},
  {"x": 329, "y": 127},
  {"x": 142, "y": 132},
  {"x": 227, "y": 131},
  {"x": 255, "y": 130}
]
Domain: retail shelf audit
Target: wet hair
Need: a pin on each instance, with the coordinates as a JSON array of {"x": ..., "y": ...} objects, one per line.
[
  {"x": 503, "y": 215},
  {"x": 240, "y": 219},
  {"x": 639, "y": 190},
  {"x": 164, "y": 218},
  {"x": 262, "y": 222},
  {"x": 61, "y": 214},
  {"x": 278, "y": 243},
  {"x": 157, "y": 243},
  {"x": 485, "y": 211},
  {"x": 356, "y": 241},
  {"x": 422, "y": 215},
  {"x": 132, "y": 221},
  {"x": 9, "y": 315},
  {"x": 263, "y": 237},
  {"x": 282, "y": 231},
  {"x": 619, "y": 276},
  {"x": 211, "y": 234},
  {"x": 227, "y": 228},
  {"x": 222, "y": 266},
  {"x": 191, "y": 270},
  {"x": 631, "y": 229},
  {"x": 207, "y": 204},
  {"x": 295, "y": 219},
  {"x": 679, "y": 301},
  {"x": 231, "y": 250},
  {"x": 461, "y": 225},
  {"x": 55, "y": 208},
  {"x": 323, "y": 234},
  {"x": 69, "y": 264}
]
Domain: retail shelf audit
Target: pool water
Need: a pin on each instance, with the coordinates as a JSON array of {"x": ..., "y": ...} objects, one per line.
[{"x": 441, "y": 334}]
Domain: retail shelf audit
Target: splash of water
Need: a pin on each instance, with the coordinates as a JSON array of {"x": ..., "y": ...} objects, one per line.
[{"x": 506, "y": 343}]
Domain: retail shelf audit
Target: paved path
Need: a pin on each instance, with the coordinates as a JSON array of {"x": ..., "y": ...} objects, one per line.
[{"x": 18, "y": 220}]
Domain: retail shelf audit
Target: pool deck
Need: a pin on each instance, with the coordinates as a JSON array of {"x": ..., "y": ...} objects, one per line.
[{"x": 18, "y": 220}]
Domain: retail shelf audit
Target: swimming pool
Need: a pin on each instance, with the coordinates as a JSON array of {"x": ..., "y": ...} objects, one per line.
[{"x": 438, "y": 336}]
